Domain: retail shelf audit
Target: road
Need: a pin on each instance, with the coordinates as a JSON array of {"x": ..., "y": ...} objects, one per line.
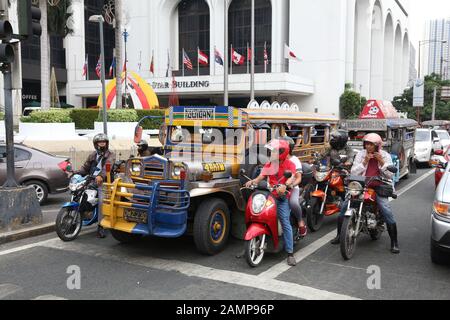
[{"x": 172, "y": 269}]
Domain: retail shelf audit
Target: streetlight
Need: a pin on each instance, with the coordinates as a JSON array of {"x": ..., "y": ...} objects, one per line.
[
  {"x": 421, "y": 43},
  {"x": 100, "y": 20}
]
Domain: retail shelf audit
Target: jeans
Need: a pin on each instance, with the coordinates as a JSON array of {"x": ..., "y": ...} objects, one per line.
[
  {"x": 284, "y": 215},
  {"x": 383, "y": 205}
]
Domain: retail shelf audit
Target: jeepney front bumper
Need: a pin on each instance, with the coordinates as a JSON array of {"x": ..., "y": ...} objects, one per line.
[{"x": 159, "y": 209}]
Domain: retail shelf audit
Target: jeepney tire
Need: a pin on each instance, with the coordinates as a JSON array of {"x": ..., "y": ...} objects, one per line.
[
  {"x": 124, "y": 237},
  {"x": 202, "y": 226}
]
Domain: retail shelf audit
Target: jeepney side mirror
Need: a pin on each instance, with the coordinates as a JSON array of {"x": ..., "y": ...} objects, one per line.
[{"x": 138, "y": 134}]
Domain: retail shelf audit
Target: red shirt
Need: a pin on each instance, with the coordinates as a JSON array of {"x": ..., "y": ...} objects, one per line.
[
  {"x": 277, "y": 176},
  {"x": 373, "y": 170}
]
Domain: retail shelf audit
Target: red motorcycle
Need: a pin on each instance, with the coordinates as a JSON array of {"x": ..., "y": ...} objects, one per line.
[
  {"x": 328, "y": 195},
  {"x": 264, "y": 232}
]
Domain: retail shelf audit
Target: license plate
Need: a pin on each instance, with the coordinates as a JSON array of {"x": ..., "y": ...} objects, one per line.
[{"x": 133, "y": 215}]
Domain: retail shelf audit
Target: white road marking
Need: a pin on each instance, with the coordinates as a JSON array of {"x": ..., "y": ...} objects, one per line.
[
  {"x": 202, "y": 272},
  {"x": 49, "y": 297},
  {"x": 415, "y": 183},
  {"x": 8, "y": 289}
]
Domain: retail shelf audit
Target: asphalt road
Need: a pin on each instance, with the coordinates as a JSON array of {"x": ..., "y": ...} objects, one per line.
[{"x": 172, "y": 269}]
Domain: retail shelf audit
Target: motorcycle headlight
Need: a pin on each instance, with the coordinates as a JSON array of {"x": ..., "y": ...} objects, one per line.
[
  {"x": 258, "y": 203},
  {"x": 355, "y": 189},
  {"x": 73, "y": 187},
  {"x": 320, "y": 176}
]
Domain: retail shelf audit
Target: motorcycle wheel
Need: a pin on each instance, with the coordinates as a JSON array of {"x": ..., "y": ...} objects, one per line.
[
  {"x": 253, "y": 254},
  {"x": 68, "y": 224},
  {"x": 348, "y": 241},
  {"x": 314, "y": 219}
]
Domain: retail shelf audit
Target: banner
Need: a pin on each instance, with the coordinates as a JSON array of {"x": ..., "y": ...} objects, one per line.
[{"x": 419, "y": 93}]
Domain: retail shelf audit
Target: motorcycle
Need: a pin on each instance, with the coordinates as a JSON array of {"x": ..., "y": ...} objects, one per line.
[
  {"x": 264, "y": 232},
  {"x": 329, "y": 193},
  {"x": 362, "y": 215},
  {"x": 82, "y": 210}
]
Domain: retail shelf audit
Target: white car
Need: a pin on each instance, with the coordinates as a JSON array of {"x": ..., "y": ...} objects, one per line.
[
  {"x": 427, "y": 142},
  {"x": 444, "y": 138}
]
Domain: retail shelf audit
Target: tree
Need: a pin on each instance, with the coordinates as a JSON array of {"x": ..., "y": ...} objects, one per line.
[
  {"x": 54, "y": 23},
  {"x": 404, "y": 103},
  {"x": 351, "y": 103}
]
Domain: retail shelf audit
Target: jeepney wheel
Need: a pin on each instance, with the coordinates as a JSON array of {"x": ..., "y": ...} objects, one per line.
[
  {"x": 124, "y": 237},
  {"x": 212, "y": 226}
]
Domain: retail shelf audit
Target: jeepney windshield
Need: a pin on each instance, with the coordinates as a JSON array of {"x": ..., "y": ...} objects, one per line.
[
  {"x": 205, "y": 136},
  {"x": 443, "y": 135}
]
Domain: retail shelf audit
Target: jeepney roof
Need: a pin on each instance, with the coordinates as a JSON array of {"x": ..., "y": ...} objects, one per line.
[
  {"x": 258, "y": 116},
  {"x": 377, "y": 124},
  {"x": 435, "y": 123},
  {"x": 206, "y": 116}
]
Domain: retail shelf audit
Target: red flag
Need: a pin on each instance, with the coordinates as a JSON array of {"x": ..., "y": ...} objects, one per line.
[
  {"x": 202, "y": 58},
  {"x": 85, "y": 67},
  {"x": 152, "y": 66},
  {"x": 238, "y": 58},
  {"x": 289, "y": 54},
  {"x": 98, "y": 69},
  {"x": 249, "y": 54}
]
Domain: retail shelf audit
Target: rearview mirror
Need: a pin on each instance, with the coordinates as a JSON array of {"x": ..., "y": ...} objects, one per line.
[
  {"x": 138, "y": 134},
  {"x": 392, "y": 169}
]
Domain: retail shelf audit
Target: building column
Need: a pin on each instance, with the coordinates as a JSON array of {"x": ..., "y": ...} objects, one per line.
[{"x": 362, "y": 47}]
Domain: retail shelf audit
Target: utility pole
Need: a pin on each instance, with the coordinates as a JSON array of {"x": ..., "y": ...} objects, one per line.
[
  {"x": 225, "y": 55},
  {"x": 118, "y": 51},
  {"x": 252, "y": 55},
  {"x": 434, "y": 104}
]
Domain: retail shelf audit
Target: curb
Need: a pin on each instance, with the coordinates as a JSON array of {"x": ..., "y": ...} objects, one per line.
[{"x": 27, "y": 233}]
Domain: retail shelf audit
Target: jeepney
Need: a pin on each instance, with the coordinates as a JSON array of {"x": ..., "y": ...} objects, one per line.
[
  {"x": 310, "y": 131},
  {"x": 398, "y": 135},
  {"x": 193, "y": 188},
  {"x": 437, "y": 125}
]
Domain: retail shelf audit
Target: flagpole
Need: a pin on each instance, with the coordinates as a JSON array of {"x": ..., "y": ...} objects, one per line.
[
  {"x": 252, "y": 54},
  {"x": 248, "y": 61},
  {"x": 87, "y": 68},
  {"x": 266, "y": 60},
  {"x": 153, "y": 63},
  {"x": 215, "y": 60},
  {"x": 198, "y": 60},
  {"x": 225, "y": 62},
  {"x": 231, "y": 59},
  {"x": 183, "y": 62}
]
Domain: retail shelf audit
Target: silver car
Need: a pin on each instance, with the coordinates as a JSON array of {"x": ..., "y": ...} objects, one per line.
[{"x": 440, "y": 221}]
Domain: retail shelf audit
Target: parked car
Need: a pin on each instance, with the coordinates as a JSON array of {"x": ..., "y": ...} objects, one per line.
[
  {"x": 440, "y": 221},
  {"x": 427, "y": 142},
  {"x": 439, "y": 161},
  {"x": 45, "y": 172},
  {"x": 444, "y": 138}
]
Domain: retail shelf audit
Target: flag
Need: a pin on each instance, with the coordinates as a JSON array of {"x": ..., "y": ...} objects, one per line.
[
  {"x": 249, "y": 53},
  {"x": 125, "y": 66},
  {"x": 218, "y": 57},
  {"x": 238, "y": 58},
  {"x": 187, "y": 61},
  {"x": 152, "y": 66},
  {"x": 85, "y": 67},
  {"x": 289, "y": 54},
  {"x": 168, "y": 64},
  {"x": 266, "y": 55},
  {"x": 202, "y": 58},
  {"x": 98, "y": 69},
  {"x": 112, "y": 67}
]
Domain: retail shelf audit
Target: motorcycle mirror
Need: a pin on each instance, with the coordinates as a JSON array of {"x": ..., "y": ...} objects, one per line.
[
  {"x": 335, "y": 162},
  {"x": 392, "y": 169},
  {"x": 288, "y": 174},
  {"x": 138, "y": 134},
  {"x": 242, "y": 172}
]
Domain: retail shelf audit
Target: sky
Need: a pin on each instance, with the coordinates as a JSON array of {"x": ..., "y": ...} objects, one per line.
[{"x": 422, "y": 11}]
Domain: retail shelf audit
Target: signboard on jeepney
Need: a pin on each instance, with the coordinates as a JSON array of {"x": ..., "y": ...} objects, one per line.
[
  {"x": 377, "y": 109},
  {"x": 419, "y": 93},
  {"x": 366, "y": 125},
  {"x": 208, "y": 116}
]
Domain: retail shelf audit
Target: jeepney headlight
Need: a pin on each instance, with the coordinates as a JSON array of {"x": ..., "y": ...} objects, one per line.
[
  {"x": 136, "y": 169},
  {"x": 177, "y": 170},
  {"x": 258, "y": 203},
  {"x": 320, "y": 176},
  {"x": 355, "y": 189}
]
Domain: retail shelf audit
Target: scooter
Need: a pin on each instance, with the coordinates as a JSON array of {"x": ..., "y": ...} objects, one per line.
[{"x": 264, "y": 232}]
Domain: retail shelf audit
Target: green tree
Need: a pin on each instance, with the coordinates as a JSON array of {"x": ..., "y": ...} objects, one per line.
[
  {"x": 404, "y": 103},
  {"x": 351, "y": 103}
]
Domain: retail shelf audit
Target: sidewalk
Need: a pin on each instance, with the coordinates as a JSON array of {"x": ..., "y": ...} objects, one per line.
[{"x": 47, "y": 226}]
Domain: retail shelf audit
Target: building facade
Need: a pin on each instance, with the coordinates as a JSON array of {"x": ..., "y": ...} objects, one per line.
[
  {"x": 435, "y": 48},
  {"x": 360, "y": 42}
]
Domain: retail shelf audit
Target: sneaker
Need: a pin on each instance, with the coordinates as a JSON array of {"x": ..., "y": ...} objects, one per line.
[{"x": 291, "y": 261}]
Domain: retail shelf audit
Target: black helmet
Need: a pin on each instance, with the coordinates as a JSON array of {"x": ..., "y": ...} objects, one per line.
[
  {"x": 338, "y": 139},
  {"x": 101, "y": 137},
  {"x": 142, "y": 146},
  {"x": 291, "y": 143}
]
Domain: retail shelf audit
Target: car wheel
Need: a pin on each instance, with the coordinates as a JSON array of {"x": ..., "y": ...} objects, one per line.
[
  {"x": 41, "y": 190},
  {"x": 437, "y": 256}
]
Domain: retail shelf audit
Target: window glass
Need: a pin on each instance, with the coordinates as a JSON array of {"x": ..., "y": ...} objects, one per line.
[{"x": 21, "y": 155}]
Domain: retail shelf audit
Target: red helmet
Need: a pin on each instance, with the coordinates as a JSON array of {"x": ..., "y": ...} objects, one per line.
[
  {"x": 373, "y": 138},
  {"x": 282, "y": 146}
]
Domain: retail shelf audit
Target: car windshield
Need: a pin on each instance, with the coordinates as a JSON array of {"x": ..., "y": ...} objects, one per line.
[
  {"x": 443, "y": 135},
  {"x": 422, "y": 135}
]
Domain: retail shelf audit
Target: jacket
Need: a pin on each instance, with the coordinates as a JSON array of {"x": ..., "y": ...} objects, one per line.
[
  {"x": 359, "y": 169},
  {"x": 335, "y": 154},
  {"x": 91, "y": 162}
]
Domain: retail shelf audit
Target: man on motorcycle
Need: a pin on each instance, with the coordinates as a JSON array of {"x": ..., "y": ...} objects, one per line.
[
  {"x": 274, "y": 171},
  {"x": 373, "y": 162},
  {"x": 339, "y": 147},
  {"x": 294, "y": 201},
  {"x": 143, "y": 149},
  {"x": 95, "y": 165}
]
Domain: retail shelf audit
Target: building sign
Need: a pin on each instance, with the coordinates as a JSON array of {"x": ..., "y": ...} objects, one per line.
[
  {"x": 180, "y": 84},
  {"x": 202, "y": 114},
  {"x": 419, "y": 93}
]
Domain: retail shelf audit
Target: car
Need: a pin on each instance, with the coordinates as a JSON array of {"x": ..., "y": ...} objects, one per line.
[
  {"x": 440, "y": 222},
  {"x": 439, "y": 161},
  {"x": 427, "y": 142},
  {"x": 444, "y": 138},
  {"x": 47, "y": 173}
]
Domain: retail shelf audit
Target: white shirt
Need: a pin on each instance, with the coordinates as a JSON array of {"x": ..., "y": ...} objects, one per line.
[{"x": 298, "y": 166}]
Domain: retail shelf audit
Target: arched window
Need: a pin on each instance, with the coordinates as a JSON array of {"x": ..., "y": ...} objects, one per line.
[
  {"x": 193, "y": 22},
  {"x": 239, "y": 31}
]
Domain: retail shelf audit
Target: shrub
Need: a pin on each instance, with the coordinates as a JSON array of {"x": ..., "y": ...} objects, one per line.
[
  {"x": 351, "y": 104},
  {"x": 124, "y": 115},
  {"x": 2, "y": 116},
  {"x": 48, "y": 116},
  {"x": 84, "y": 118},
  {"x": 151, "y": 124}
]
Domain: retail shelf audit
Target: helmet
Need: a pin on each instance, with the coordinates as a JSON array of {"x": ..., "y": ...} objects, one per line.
[
  {"x": 373, "y": 138},
  {"x": 338, "y": 139},
  {"x": 291, "y": 144},
  {"x": 101, "y": 137},
  {"x": 281, "y": 145},
  {"x": 142, "y": 146}
]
